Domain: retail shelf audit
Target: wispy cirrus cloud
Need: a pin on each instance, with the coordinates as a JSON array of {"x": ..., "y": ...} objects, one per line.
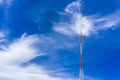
[
  {"x": 15, "y": 58},
  {"x": 76, "y": 22},
  {"x": 20, "y": 52},
  {"x": 87, "y": 24},
  {"x": 16, "y": 54},
  {"x": 108, "y": 21}
]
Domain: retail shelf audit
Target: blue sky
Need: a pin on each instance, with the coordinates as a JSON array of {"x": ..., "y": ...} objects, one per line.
[{"x": 39, "y": 39}]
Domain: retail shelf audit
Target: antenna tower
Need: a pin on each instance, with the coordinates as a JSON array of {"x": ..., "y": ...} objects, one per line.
[{"x": 81, "y": 75}]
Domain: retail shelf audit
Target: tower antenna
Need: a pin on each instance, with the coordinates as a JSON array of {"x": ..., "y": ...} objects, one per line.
[{"x": 81, "y": 75}]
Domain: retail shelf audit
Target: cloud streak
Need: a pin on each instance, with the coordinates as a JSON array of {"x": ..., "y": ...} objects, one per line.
[
  {"x": 20, "y": 52},
  {"x": 107, "y": 21},
  {"x": 15, "y": 59},
  {"x": 87, "y": 24},
  {"x": 77, "y": 21}
]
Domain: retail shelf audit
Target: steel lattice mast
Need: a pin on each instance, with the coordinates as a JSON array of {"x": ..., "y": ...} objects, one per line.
[{"x": 81, "y": 75}]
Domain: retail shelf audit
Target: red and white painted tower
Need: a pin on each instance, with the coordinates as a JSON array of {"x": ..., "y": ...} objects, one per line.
[{"x": 81, "y": 75}]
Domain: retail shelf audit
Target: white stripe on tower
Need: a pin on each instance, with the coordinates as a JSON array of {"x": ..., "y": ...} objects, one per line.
[{"x": 81, "y": 58}]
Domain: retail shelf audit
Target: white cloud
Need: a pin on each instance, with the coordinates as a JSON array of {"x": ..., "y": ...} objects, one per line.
[
  {"x": 108, "y": 21},
  {"x": 87, "y": 24},
  {"x": 19, "y": 51},
  {"x": 76, "y": 23},
  {"x": 31, "y": 72},
  {"x": 73, "y": 8},
  {"x": 15, "y": 57}
]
